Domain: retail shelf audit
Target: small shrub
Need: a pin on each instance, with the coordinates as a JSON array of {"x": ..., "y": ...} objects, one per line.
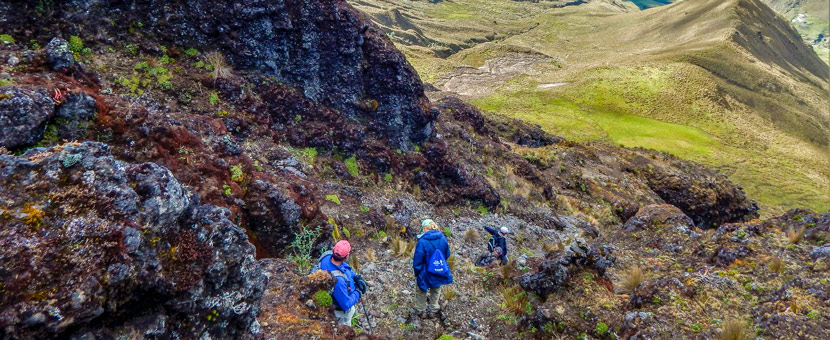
[
  {"x": 227, "y": 189},
  {"x": 601, "y": 328},
  {"x": 364, "y": 208},
  {"x": 776, "y": 265},
  {"x": 217, "y": 62},
  {"x": 191, "y": 52},
  {"x": 447, "y": 232},
  {"x": 380, "y": 235},
  {"x": 76, "y": 44},
  {"x": 236, "y": 173},
  {"x": 733, "y": 329},
  {"x": 447, "y": 337},
  {"x": 213, "y": 99},
  {"x": 322, "y": 298},
  {"x": 482, "y": 210},
  {"x": 333, "y": 198},
  {"x": 387, "y": 178},
  {"x": 795, "y": 235},
  {"x": 6, "y": 39},
  {"x": 351, "y": 165},
  {"x": 632, "y": 279},
  {"x": 302, "y": 246},
  {"x": 309, "y": 154}
]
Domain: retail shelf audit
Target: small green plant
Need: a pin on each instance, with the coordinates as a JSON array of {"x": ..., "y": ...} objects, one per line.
[
  {"x": 482, "y": 210},
  {"x": 812, "y": 315},
  {"x": 333, "y": 198},
  {"x": 447, "y": 337},
  {"x": 351, "y": 165},
  {"x": 322, "y": 298},
  {"x": 447, "y": 232},
  {"x": 165, "y": 60},
  {"x": 236, "y": 173},
  {"x": 227, "y": 189},
  {"x": 387, "y": 177},
  {"x": 601, "y": 328},
  {"x": 695, "y": 327},
  {"x": 213, "y": 99},
  {"x": 364, "y": 208},
  {"x": 76, "y": 45},
  {"x": 6, "y": 39},
  {"x": 380, "y": 235},
  {"x": 142, "y": 66},
  {"x": 191, "y": 52},
  {"x": 221, "y": 113},
  {"x": 302, "y": 245}
]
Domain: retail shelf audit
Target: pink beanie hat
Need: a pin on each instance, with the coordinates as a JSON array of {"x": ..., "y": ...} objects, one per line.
[{"x": 342, "y": 249}]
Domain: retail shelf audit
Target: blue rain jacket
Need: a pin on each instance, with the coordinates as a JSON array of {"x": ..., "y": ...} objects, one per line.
[
  {"x": 427, "y": 244},
  {"x": 345, "y": 295}
]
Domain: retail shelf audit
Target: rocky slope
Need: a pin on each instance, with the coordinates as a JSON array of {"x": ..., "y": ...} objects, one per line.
[{"x": 175, "y": 215}]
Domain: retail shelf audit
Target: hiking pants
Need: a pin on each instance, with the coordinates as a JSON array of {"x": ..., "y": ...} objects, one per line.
[
  {"x": 345, "y": 317},
  {"x": 432, "y": 296}
]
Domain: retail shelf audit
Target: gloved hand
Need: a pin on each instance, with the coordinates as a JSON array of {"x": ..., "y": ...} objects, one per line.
[{"x": 360, "y": 284}]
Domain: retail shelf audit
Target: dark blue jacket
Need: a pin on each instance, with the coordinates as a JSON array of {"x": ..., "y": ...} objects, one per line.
[
  {"x": 427, "y": 245},
  {"x": 345, "y": 295},
  {"x": 497, "y": 241}
]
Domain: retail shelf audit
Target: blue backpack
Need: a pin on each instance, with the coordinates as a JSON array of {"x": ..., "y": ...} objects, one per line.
[{"x": 438, "y": 264}]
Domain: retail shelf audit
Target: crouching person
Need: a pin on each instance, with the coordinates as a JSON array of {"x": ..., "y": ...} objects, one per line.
[
  {"x": 349, "y": 287},
  {"x": 431, "y": 269}
]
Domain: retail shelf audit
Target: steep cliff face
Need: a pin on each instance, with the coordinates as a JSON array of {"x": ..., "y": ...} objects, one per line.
[{"x": 322, "y": 47}]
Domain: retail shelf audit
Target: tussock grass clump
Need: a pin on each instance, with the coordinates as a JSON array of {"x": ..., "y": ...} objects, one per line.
[
  {"x": 370, "y": 255},
  {"x": 506, "y": 271},
  {"x": 733, "y": 329},
  {"x": 632, "y": 279},
  {"x": 220, "y": 66},
  {"x": 451, "y": 261},
  {"x": 515, "y": 300},
  {"x": 402, "y": 247},
  {"x": 795, "y": 235},
  {"x": 471, "y": 235},
  {"x": 449, "y": 293},
  {"x": 549, "y": 247},
  {"x": 776, "y": 265}
]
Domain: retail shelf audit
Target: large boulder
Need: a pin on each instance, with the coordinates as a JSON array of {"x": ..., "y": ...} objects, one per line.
[
  {"x": 98, "y": 248},
  {"x": 558, "y": 268},
  {"x": 24, "y": 112},
  {"x": 324, "y": 48}
]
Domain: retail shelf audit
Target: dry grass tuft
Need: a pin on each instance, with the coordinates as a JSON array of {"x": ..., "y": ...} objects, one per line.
[
  {"x": 402, "y": 247},
  {"x": 451, "y": 262},
  {"x": 549, "y": 247},
  {"x": 471, "y": 235},
  {"x": 449, "y": 293},
  {"x": 794, "y": 235},
  {"x": 733, "y": 329},
  {"x": 506, "y": 271},
  {"x": 776, "y": 265},
  {"x": 370, "y": 255},
  {"x": 217, "y": 61},
  {"x": 632, "y": 279}
]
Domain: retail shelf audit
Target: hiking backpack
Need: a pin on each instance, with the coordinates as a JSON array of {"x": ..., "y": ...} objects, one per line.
[
  {"x": 438, "y": 264},
  {"x": 334, "y": 273}
]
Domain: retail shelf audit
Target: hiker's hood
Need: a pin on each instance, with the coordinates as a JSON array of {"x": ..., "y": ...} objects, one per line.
[
  {"x": 326, "y": 264},
  {"x": 432, "y": 235}
]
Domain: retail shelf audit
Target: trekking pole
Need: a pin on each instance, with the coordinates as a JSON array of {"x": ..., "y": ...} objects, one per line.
[{"x": 368, "y": 320}]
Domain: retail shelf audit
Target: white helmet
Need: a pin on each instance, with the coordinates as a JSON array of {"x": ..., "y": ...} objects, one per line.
[{"x": 504, "y": 230}]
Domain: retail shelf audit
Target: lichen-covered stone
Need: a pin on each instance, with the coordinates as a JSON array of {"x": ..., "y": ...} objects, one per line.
[
  {"x": 58, "y": 55},
  {"x": 86, "y": 236},
  {"x": 24, "y": 112}
]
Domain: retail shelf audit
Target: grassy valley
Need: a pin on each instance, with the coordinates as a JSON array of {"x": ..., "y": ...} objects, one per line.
[{"x": 711, "y": 81}]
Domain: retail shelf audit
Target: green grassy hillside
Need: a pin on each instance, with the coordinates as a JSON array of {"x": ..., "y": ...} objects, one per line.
[{"x": 725, "y": 83}]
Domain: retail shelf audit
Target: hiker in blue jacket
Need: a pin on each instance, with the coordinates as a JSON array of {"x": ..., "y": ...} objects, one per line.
[
  {"x": 430, "y": 275},
  {"x": 497, "y": 240},
  {"x": 349, "y": 287}
]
